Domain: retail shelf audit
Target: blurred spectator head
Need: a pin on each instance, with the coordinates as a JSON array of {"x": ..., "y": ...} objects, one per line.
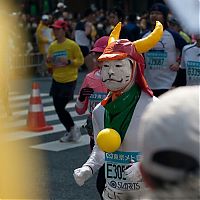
[
  {"x": 132, "y": 18},
  {"x": 57, "y": 14},
  {"x": 144, "y": 23},
  {"x": 65, "y": 15},
  {"x": 116, "y": 15},
  {"x": 159, "y": 12},
  {"x": 173, "y": 23},
  {"x": 172, "y": 20},
  {"x": 45, "y": 17},
  {"x": 170, "y": 140},
  {"x": 61, "y": 5},
  {"x": 93, "y": 7},
  {"x": 89, "y": 14}
]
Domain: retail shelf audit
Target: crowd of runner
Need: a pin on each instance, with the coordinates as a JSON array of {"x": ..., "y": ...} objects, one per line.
[{"x": 102, "y": 22}]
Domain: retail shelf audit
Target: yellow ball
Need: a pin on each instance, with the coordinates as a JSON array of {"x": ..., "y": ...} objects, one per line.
[{"x": 108, "y": 140}]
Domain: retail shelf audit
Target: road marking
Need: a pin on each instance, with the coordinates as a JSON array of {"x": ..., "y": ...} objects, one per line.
[
  {"x": 17, "y": 135},
  {"x": 24, "y": 97},
  {"x": 60, "y": 146},
  {"x": 47, "y": 109},
  {"x": 25, "y": 104},
  {"x": 18, "y": 96},
  {"x": 19, "y": 123}
]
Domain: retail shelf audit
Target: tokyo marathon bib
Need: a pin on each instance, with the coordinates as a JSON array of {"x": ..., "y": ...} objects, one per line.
[
  {"x": 95, "y": 98},
  {"x": 156, "y": 59},
  {"x": 57, "y": 56},
  {"x": 193, "y": 70},
  {"x": 115, "y": 165}
]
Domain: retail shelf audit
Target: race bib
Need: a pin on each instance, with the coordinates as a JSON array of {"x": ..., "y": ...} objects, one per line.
[
  {"x": 57, "y": 57},
  {"x": 95, "y": 99},
  {"x": 156, "y": 59},
  {"x": 193, "y": 70},
  {"x": 115, "y": 165}
]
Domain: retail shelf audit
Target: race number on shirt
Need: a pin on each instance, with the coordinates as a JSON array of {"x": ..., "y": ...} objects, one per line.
[
  {"x": 57, "y": 56},
  {"x": 156, "y": 59},
  {"x": 95, "y": 98},
  {"x": 193, "y": 70},
  {"x": 115, "y": 165}
]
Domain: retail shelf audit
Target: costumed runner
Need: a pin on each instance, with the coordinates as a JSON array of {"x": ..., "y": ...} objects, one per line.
[{"x": 117, "y": 117}]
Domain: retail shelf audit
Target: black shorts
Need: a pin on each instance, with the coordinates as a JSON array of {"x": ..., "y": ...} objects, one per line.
[{"x": 63, "y": 90}]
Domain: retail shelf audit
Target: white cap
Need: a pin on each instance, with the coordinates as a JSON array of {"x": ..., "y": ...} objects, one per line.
[
  {"x": 61, "y": 5},
  {"x": 45, "y": 17},
  {"x": 171, "y": 124}
]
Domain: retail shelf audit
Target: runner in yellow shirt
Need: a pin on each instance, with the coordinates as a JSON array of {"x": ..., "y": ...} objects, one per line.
[{"x": 64, "y": 58}]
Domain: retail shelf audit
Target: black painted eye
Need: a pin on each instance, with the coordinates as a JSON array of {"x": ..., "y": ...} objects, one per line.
[
  {"x": 105, "y": 65},
  {"x": 118, "y": 65}
]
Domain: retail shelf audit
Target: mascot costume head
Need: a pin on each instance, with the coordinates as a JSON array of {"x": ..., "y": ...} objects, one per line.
[{"x": 122, "y": 67}]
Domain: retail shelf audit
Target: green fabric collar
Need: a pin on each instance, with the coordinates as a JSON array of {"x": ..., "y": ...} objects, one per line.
[{"x": 118, "y": 113}]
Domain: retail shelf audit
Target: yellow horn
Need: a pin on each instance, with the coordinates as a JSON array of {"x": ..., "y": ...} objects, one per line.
[
  {"x": 115, "y": 33},
  {"x": 147, "y": 43}
]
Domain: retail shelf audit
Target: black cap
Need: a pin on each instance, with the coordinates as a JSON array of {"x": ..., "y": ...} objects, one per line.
[{"x": 160, "y": 7}]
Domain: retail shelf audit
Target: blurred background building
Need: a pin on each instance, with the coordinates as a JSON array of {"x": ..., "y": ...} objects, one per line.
[{"x": 35, "y": 7}]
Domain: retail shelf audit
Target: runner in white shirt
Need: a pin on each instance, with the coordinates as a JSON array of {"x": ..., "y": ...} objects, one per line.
[
  {"x": 191, "y": 62},
  {"x": 162, "y": 61}
]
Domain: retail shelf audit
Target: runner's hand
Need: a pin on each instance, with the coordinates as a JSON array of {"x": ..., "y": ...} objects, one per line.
[
  {"x": 50, "y": 70},
  {"x": 64, "y": 61},
  {"x": 49, "y": 59},
  {"x": 175, "y": 67},
  {"x": 85, "y": 92},
  {"x": 82, "y": 174},
  {"x": 133, "y": 172}
]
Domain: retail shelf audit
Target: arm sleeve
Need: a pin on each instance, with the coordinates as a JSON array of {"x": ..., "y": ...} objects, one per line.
[
  {"x": 179, "y": 41},
  {"x": 81, "y": 107},
  {"x": 181, "y": 74},
  {"x": 49, "y": 53},
  {"x": 97, "y": 157},
  {"x": 183, "y": 59}
]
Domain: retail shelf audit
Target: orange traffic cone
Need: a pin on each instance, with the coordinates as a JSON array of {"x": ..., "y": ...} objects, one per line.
[{"x": 36, "y": 119}]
